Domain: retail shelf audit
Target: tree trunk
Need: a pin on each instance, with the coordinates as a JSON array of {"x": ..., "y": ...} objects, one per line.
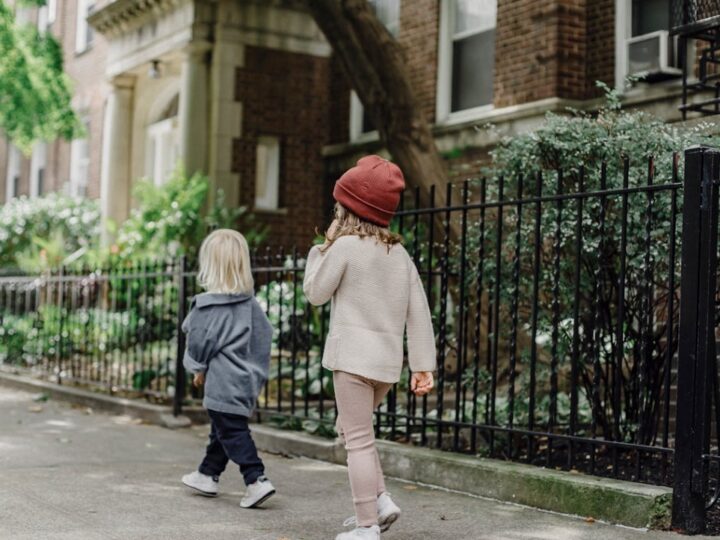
[{"x": 375, "y": 64}]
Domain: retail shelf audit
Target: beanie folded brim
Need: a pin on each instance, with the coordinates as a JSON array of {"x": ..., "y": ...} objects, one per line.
[{"x": 360, "y": 207}]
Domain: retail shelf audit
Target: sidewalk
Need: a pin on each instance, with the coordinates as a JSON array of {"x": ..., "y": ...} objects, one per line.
[{"x": 73, "y": 474}]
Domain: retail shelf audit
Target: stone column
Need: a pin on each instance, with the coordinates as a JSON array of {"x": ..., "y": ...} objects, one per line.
[
  {"x": 193, "y": 111},
  {"x": 115, "y": 178},
  {"x": 225, "y": 113}
]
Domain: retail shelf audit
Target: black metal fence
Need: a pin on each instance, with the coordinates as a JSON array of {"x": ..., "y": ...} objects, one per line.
[
  {"x": 556, "y": 306},
  {"x": 692, "y": 13}
]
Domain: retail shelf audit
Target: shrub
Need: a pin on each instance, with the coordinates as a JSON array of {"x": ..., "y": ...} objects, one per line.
[
  {"x": 568, "y": 154},
  {"x": 35, "y": 232}
]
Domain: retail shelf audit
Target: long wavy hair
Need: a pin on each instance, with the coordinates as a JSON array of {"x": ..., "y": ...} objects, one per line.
[{"x": 349, "y": 224}]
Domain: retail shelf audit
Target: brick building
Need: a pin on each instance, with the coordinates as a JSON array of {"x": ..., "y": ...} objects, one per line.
[{"x": 249, "y": 92}]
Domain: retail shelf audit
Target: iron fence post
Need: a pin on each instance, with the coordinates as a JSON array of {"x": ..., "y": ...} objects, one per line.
[
  {"x": 696, "y": 336},
  {"x": 179, "y": 367}
]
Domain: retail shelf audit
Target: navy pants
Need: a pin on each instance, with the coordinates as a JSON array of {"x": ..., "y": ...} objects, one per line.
[{"x": 230, "y": 440}]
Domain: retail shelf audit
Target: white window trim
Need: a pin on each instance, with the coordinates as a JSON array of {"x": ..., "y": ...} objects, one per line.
[
  {"x": 38, "y": 162},
  {"x": 443, "y": 114},
  {"x": 271, "y": 201},
  {"x": 13, "y": 170},
  {"x": 357, "y": 111},
  {"x": 47, "y": 15},
  {"x": 81, "y": 26},
  {"x": 79, "y": 167},
  {"x": 52, "y": 11},
  {"x": 623, "y": 30}
]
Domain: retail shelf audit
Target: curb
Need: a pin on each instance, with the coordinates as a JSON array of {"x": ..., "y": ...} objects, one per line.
[
  {"x": 615, "y": 501},
  {"x": 147, "y": 412}
]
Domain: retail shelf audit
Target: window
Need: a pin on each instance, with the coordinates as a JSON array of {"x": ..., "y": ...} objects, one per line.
[
  {"x": 163, "y": 142},
  {"x": 84, "y": 34},
  {"x": 649, "y": 16},
  {"x": 267, "y": 174},
  {"x": 467, "y": 56},
  {"x": 388, "y": 11},
  {"x": 642, "y": 41},
  {"x": 79, "y": 164},
  {"x": 47, "y": 15},
  {"x": 12, "y": 177},
  {"x": 163, "y": 150},
  {"x": 38, "y": 165}
]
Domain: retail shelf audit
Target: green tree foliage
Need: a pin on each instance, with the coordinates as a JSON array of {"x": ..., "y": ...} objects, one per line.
[{"x": 35, "y": 93}]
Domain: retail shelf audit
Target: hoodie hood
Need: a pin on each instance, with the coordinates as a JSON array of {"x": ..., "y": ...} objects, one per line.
[{"x": 219, "y": 299}]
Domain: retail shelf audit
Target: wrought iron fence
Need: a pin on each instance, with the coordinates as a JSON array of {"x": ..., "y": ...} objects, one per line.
[
  {"x": 688, "y": 13},
  {"x": 555, "y": 300}
]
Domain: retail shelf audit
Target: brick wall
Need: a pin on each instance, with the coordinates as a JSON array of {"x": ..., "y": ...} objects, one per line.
[
  {"x": 87, "y": 71},
  {"x": 419, "y": 27},
  {"x": 525, "y": 61},
  {"x": 285, "y": 95},
  {"x": 600, "y": 45}
]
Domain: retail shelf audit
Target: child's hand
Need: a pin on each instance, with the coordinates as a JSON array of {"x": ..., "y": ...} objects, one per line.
[
  {"x": 421, "y": 382},
  {"x": 198, "y": 380}
]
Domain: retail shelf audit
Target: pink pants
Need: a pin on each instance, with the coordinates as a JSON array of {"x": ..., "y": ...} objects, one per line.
[{"x": 357, "y": 398}]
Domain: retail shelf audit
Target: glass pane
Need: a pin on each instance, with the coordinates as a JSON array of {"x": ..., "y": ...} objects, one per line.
[
  {"x": 388, "y": 11},
  {"x": 474, "y": 15},
  {"x": 650, "y": 16},
  {"x": 367, "y": 123},
  {"x": 472, "y": 71}
]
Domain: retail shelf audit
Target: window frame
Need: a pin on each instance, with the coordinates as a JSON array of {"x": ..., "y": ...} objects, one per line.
[
  {"x": 77, "y": 187},
  {"x": 38, "y": 168},
  {"x": 84, "y": 35},
  {"x": 12, "y": 172},
  {"x": 271, "y": 202},
  {"x": 159, "y": 168},
  {"x": 47, "y": 15},
  {"x": 443, "y": 105},
  {"x": 623, "y": 32}
]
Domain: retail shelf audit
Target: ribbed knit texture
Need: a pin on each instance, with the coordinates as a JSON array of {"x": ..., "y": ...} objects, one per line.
[{"x": 376, "y": 294}]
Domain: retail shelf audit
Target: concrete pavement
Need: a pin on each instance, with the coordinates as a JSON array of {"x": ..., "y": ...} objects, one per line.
[{"x": 70, "y": 473}]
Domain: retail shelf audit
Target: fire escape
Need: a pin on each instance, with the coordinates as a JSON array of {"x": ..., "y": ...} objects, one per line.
[{"x": 698, "y": 20}]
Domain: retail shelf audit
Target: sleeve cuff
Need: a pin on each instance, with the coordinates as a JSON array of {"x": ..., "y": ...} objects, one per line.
[{"x": 191, "y": 365}]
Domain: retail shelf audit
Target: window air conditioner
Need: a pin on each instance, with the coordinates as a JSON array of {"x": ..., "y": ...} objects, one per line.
[{"x": 650, "y": 56}]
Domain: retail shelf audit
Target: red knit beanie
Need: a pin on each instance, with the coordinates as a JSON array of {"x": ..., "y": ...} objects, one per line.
[{"x": 371, "y": 190}]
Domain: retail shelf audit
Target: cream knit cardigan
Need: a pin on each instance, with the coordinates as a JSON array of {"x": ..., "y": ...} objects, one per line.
[{"x": 375, "y": 294}]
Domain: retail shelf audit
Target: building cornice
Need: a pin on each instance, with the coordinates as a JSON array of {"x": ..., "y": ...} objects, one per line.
[{"x": 122, "y": 16}]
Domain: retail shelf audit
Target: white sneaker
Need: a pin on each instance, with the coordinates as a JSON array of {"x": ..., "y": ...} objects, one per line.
[
  {"x": 361, "y": 533},
  {"x": 257, "y": 493},
  {"x": 204, "y": 484},
  {"x": 388, "y": 513}
]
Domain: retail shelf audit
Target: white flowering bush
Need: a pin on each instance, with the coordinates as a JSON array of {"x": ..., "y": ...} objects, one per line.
[{"x": 27, "y": 223}]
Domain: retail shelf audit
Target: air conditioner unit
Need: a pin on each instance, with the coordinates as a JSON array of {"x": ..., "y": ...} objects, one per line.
[{"x": 650, "y": 56}]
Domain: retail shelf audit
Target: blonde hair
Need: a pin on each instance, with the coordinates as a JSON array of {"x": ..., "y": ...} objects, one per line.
[
  {"x": 225, "y": 263},
  {"x": 348, "y": 224}
]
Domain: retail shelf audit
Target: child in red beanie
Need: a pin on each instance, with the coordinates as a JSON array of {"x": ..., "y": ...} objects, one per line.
[{"x": 377, "y": 295}]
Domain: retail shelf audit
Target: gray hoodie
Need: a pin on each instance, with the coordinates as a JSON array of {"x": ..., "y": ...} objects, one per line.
[{"x": 228, "y": 339}]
